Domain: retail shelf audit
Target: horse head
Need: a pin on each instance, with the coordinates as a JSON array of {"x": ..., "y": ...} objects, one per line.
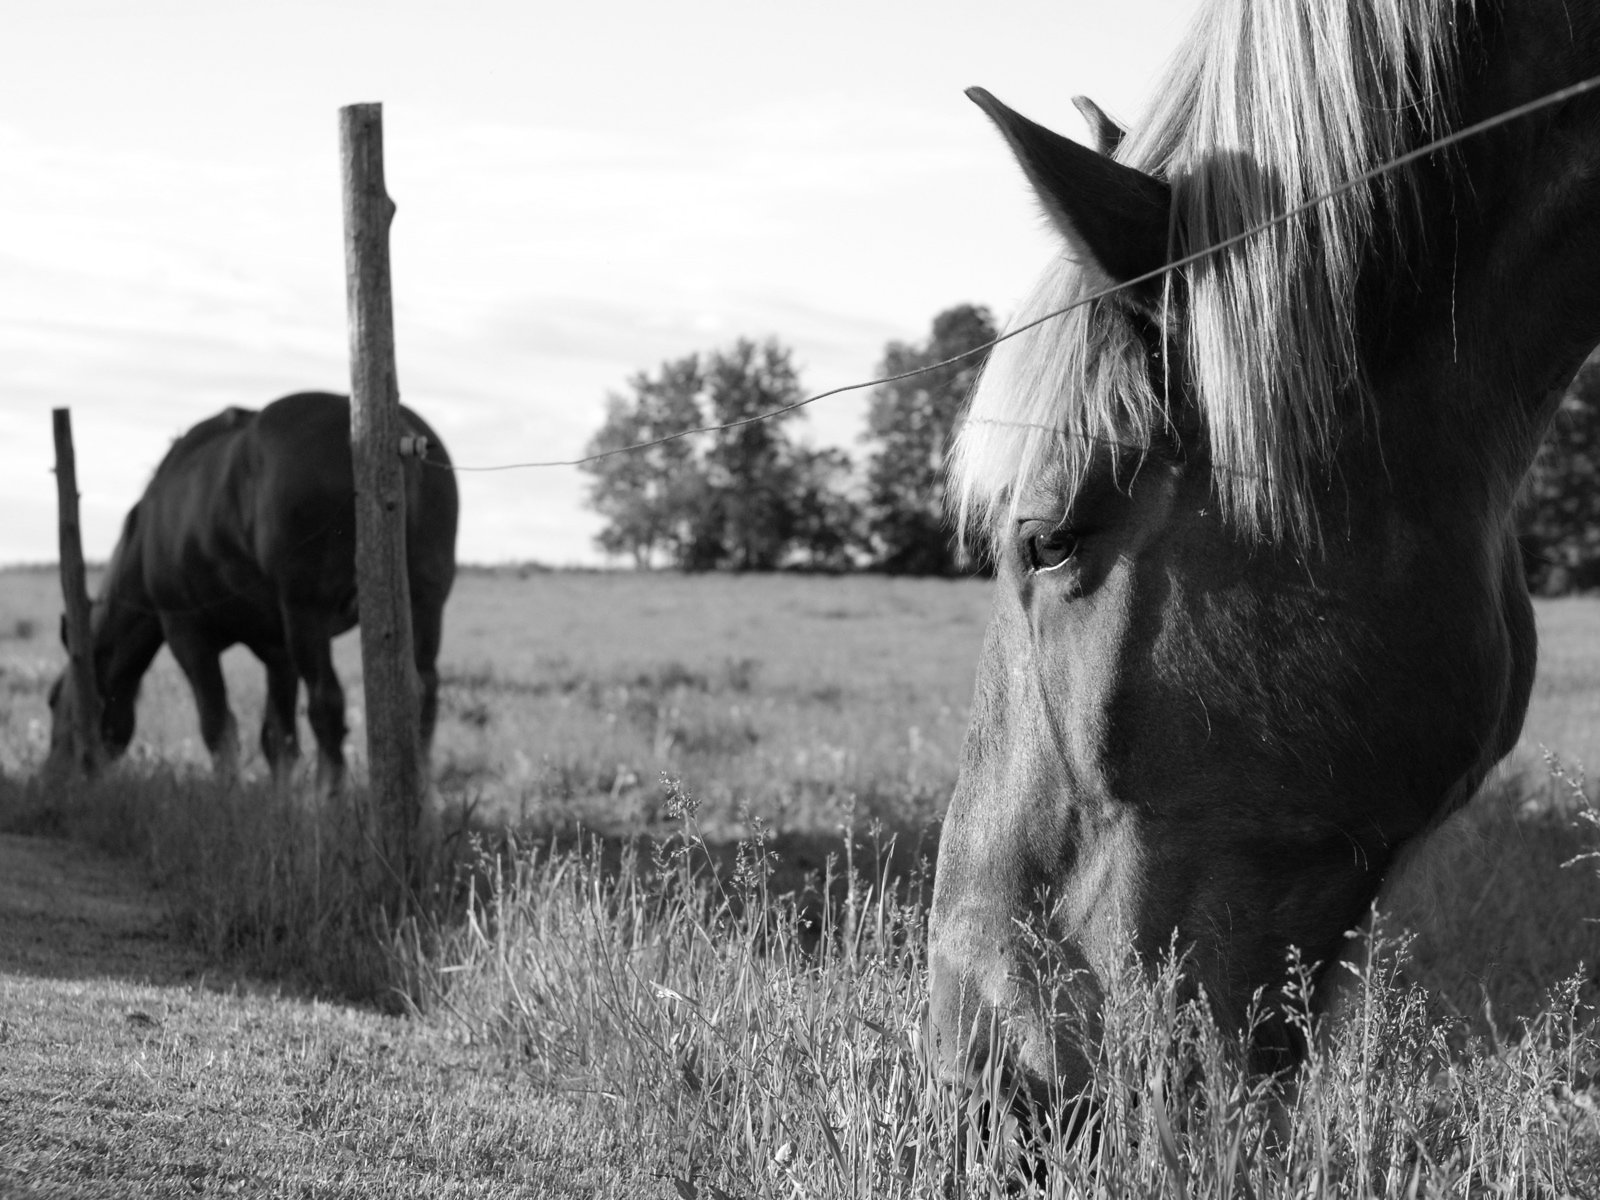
[
  {"x": 114, "y": 698},
  {"x": 1260, "y": 623}
]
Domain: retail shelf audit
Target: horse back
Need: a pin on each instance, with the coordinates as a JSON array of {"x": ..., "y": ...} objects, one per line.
[
  {"x": 302, "y": 498},
  {"x": 187, "y": 539},
  {"x": 304, "y": 504}
]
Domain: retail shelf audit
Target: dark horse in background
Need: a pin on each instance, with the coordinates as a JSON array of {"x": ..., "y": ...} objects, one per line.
[
  {"x": 1260, "y": 620},
  {"x": 246, "y": 534}
]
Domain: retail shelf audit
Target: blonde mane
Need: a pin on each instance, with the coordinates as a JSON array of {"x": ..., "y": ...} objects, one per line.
[{"x": 1269, "y": 104}]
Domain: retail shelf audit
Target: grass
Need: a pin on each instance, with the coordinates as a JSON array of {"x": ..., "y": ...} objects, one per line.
[
  {"x": 617, "y": 1028},
  {"x": 137, "y": 1090},
  {"x": 750, "y": 690},
  {"x": 699, "y": 1001},
  {"x": 752, "y": 1068}
]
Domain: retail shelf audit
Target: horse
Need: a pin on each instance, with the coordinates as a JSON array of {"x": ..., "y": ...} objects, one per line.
[
  {"x": 246, "y": 534},
  {"x": 1260, "y": 624}
]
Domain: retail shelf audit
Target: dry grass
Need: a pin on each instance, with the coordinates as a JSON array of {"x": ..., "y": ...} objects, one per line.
[
  {"x": 748, "y": 1063},
  {"x": 118, "y": 1090},
  {"x": 674, "y": 1017}
]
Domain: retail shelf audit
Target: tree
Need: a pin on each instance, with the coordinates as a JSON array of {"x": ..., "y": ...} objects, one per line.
[
  {"x": 913, "y": 421},
  {"x": 742, "y": 498},
  {"x": 749, "y": 466},
  {"x": 826, "y": 522},
  {"x": 650, "y": 497},
  {"x": 1561, "y": 504}
]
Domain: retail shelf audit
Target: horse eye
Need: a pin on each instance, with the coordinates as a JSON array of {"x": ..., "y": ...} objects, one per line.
[{"x": 1051, "y": 549}]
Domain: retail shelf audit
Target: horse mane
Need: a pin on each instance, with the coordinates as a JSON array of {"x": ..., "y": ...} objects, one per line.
[
  {"x": 1268, "y": 104},
  {"x": 123, "y": 569}
]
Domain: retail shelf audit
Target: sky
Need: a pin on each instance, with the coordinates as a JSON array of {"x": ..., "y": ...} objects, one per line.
[{"x": 583, "y": 190}]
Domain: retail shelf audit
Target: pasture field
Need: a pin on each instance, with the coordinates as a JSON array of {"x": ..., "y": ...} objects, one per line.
[
  {"x": 568, "y": 693},
  {"x": 658, "y": 1018}
]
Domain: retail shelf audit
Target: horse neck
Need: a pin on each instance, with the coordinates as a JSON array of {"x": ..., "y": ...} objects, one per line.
[
  {"x": 126, "y": 629},
  {"x": 1501, "y": 303}
]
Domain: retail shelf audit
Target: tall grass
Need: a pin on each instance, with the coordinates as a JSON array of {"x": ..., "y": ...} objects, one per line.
[
  {"x": 752, "y": 1044},
  {"x": 260, "y": 878},
  {"x": 750, "y": 1058}
]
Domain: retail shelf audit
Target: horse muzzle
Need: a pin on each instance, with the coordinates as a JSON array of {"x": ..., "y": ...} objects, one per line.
[{"x": 1000, "y": 1025}]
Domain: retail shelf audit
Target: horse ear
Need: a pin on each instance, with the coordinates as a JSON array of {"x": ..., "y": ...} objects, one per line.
[
  {"x": 1108, "y": 134},
  {"x": 1113, "y": 217}
]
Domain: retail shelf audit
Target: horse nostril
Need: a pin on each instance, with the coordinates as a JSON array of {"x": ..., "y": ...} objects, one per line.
[{"x": 1019, "y": 1102}]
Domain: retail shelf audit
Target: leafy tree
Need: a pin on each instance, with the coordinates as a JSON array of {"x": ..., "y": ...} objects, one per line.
[
  {"x": 826, "y": 529},
  {"x": 749, "y": 467},
  {"x": 912, "y": 421},
  {"x": 743, "y": 498},
  {"x": 1561, "y": 504},
  {"x": 649, "y": 497}
]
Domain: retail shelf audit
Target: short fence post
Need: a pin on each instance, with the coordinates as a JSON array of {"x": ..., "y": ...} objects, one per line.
[
  {"x": 389, "y": 676},
  {"x": 86, "y": 750}
]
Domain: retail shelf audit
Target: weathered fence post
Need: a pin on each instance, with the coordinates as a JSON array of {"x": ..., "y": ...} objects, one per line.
[
  {"x": 86, "y": 750},
  {"x": 389, "y": 677}
]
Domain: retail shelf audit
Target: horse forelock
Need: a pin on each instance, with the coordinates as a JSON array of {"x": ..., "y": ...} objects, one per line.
[{"x": 1269, "y": 104}]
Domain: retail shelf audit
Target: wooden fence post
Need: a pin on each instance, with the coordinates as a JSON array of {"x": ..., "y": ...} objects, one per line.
[
  {"x": 389, "y": 675},
  {"x": 86, "y": 750}
]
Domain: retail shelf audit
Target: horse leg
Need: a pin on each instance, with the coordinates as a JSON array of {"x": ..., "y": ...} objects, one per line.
[
  {"x": 309, "y": 634},
  {"x": 427, "y": 620},
  {"x": 202, "y": 665},
  {"x": 280, "y": 739}
]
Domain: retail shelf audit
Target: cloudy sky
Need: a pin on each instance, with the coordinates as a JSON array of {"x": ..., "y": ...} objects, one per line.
[{"x": 584, "y": 190}]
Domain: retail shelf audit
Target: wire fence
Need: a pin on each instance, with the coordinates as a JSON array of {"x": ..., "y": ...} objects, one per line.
[{"x": 1550, "y": 100}]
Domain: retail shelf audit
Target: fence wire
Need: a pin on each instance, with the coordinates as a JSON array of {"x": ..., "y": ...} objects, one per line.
[{"x": 1550, "y": 100}]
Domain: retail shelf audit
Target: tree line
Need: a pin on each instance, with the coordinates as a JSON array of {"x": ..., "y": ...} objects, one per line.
[
  {"x": 1560, "y": 520},
  {"x": 750, "y": 497}
]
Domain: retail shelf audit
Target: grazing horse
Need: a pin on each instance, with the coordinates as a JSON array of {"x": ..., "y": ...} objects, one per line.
[
  {"x": 1260, "y": 620},
  {"x": 247, "y": 534}
]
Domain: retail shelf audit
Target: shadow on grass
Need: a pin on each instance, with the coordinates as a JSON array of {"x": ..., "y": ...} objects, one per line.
[
  {"x": 1506, "y": 905},
  {"x": 253, "y": 880},
  {"x": 274, "y": 885},
  {"x": 247, "y": 879},
  {"x": 818, "y": 872},
  {"x": 71, "y": 912}
]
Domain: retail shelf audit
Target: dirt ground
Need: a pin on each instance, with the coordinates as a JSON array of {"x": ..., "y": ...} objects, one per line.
[
  {"x": 88, "y": 970},
  {"x": 132, "y": 1068},
  {"x": 68, "y": 912}
]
